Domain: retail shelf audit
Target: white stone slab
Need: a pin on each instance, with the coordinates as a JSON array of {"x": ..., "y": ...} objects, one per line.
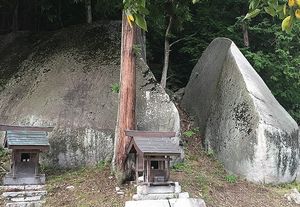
[
  {"x": 159, "y": 196},
  {"x": 187, "y": 202},
  {"x": 148, "y": 203},
  {"x": 24, "y": 194},
  {"x": 22, "y": 187},
  {"x": 22, "y": 199},
  {"x": 26, "y": 204}
]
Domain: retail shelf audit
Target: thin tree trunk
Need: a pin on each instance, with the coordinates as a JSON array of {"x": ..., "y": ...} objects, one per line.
[
  {"x": 88, "y": 5},
  {"x": 59, "y": 14},
  {"x": 127, "y": 96},
  {"x": 163, "y": 81},
  {"x": 141, "y": 40},
  {"x": 245, "y": 34},
  {"x": 15, "y": 22}
]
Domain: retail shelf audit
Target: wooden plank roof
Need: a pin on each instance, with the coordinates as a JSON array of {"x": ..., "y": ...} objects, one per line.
[
  {"x": 27, "y": 139},
  {"x": 24, "y": 128},
  {"x": 156, "y": 145}
]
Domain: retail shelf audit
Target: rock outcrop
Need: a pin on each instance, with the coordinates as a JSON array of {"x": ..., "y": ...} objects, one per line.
[
  {"x": 245, "y": 126},
  {"x": 64, "y": 79}
]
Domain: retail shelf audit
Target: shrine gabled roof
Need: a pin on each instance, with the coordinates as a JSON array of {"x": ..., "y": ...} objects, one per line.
[
  {"x": 19, "y": 138},
  {"x": 156, "y": 145}
]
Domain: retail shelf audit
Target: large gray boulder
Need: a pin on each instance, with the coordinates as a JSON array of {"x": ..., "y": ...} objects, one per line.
[
  {"x": 245, "y": 126},
  {"x": 64, "y": 80}
]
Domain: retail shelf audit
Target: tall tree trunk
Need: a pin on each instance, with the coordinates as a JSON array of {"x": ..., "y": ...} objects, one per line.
[
  {"x": 141, "y": 40},
  {"x": 59, "y": 14},
  {"x": 15, "y": 22},
  {"x": 245, "y": 34},
  {"x": 163, "y": 81},
  {"x": 88, "y": 5},
  {"x": 127, "y": 96}
]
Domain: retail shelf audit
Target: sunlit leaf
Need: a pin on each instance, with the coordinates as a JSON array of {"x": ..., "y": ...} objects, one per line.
[{"x": 252, "y": 14}]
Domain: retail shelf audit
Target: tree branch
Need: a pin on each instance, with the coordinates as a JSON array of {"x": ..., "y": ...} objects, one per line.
[{"x": 179, "y": 40}]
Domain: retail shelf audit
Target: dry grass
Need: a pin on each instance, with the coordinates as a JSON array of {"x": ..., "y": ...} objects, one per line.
[{"x": 92, "y": 187}]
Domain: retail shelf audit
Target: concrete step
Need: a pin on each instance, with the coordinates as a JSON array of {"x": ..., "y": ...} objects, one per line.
[
  {"x": 26, "y": 204},
  {"x": 9, "y": 195}
]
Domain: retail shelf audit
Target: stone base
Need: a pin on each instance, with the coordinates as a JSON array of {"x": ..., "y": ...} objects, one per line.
[
  {"x": 24, "y": 196},
  {"x": 19, "y": 180},
  {"x": 157, "y": 192},
  {"x": 26, "y": 204},
  {"x": 182, "y": 202}
]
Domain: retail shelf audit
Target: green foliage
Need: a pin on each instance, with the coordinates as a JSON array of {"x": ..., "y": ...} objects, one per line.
[
  {"x": 288, "y": 10},
  {"x": 136, "y": 11},
  {"x": 180, "y": 166},
  {"x": 137, "y": 49},
  {"x": 191, "y": 132},
  {"x": 277, "y": 60},
  {"x": 115, "y": 87},
  {"x": 210, "y": 153},
  {"x": 3, "y": 153},
  {"x": 101, "y": 165},
  {"x": 231, "y": 178}
]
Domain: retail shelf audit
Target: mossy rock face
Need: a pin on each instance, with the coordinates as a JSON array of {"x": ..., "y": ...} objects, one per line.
[
  {"x": 64, "y": 80},
  {"x": 243, "y": 124}
]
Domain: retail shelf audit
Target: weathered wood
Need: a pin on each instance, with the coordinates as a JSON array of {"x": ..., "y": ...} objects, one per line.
[
  {"x": 30, "y": 147},
  {"x": 24, "y": 128},
  {"x": 135, "y": 133},
  {"x": 126, "y": 119}
]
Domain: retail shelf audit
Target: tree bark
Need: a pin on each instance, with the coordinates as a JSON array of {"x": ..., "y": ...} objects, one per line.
[
  {"x": 15, "y": 22},
  {"x": 89, "y": 17},
  {"x": 127, "y": 96},
  {"x": 163, "y": 81}
]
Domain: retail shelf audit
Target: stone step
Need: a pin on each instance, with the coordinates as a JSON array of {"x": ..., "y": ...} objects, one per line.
[
  {"x": 161, "y": 189},
  {"x": 158, "y": 196},
  {"x": 9, "y": 195},
  {"x": 26, "y": 204},
  {"x": 26, "y": 199},
  {"x": 22, "y": 187},
  {"x": 187, "y": 202},
  {"x": 184, "y": 202}
]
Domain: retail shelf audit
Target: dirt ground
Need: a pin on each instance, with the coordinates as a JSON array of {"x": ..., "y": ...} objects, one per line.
[{"x": 92, "y": 187}]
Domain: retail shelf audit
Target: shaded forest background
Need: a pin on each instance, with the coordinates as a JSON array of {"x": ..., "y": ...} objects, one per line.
[{"x": 273, "y": 53}]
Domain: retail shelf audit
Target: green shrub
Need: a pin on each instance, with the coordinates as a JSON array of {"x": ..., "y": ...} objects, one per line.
[
  {"x": 231, "y": 178},
  {"x": 191, "y": 132},
  {"x": 115, "y": 87}
]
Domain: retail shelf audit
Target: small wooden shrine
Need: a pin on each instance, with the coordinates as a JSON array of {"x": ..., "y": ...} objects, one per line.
[
  {"x": 153, "y": 151},
  {"x": 26, "y": 144}
]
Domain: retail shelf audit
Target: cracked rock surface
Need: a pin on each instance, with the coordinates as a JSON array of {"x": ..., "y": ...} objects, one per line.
[
  {"x": 243, "y": 124},
  {"x": 64, "y": 79}
]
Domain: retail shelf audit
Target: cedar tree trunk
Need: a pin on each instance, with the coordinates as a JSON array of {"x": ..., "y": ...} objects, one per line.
[{"x": 127, "y": 96}]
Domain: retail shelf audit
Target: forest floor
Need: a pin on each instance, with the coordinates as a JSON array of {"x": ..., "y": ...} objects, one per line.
[{"x": 200, "y": 174}]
